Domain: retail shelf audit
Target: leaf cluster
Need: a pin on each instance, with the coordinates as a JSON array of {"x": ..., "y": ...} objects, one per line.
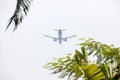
[
  {"x": 106, "y": 66},
  {"x": 22, "y": 8}
]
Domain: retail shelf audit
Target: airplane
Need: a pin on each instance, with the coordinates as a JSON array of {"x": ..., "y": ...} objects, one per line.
[{"x": 60, "y": 38}]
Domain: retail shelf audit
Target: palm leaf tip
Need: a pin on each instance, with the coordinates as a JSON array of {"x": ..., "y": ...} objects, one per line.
[{"x": 22, "y": 8}]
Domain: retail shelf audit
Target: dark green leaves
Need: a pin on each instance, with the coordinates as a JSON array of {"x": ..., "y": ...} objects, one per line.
[{"x": 22, "y": 8}]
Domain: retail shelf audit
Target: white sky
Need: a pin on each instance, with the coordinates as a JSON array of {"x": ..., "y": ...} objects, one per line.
[{"x": 24, "y": 52}]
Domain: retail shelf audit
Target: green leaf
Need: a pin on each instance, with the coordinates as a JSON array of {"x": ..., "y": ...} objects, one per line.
[{"x": 93, "y": 72}]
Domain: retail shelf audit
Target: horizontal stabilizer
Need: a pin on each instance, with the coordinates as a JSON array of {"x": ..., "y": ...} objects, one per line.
[{"x": 60, "y": 29}]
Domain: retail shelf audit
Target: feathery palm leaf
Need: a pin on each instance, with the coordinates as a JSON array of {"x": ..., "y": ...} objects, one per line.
[
  {"x": 93, "y": 72},
  {"x": 76, "y": 67},
  {"x": 22, "y": 8},
  {"x": 105, "y": 67}
]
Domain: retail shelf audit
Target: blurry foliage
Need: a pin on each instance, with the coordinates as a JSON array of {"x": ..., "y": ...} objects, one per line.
[
  {"x": 105, "y": 67},
  {"x": 22, "y": 8}
]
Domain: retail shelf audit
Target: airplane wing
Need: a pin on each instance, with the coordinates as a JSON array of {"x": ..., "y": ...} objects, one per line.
[
  {"x": 70, "y": 36},
  {"x": 65, "y": 39},
  {"x": 54, "y": 38},
  {"x": 48, "y": 36}
]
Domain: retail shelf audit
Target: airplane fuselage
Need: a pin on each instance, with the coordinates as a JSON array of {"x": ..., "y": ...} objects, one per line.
[{"x": 60, "y": 36}]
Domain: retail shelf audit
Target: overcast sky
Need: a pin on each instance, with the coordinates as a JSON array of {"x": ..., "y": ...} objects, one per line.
[{"x": 24, "y": 52}]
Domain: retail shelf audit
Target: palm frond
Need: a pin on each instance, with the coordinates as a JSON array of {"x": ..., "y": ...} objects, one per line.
[
  {"x": 22, "y": 8},
  {"x": 93, "y": 72},
  {"x": 106, "y": 66}
]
